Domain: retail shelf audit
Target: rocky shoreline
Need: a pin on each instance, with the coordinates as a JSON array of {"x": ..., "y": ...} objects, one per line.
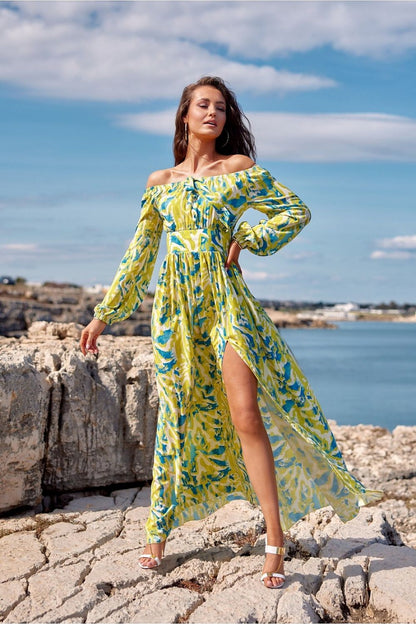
[
  {"x": 80, "y": 564},
  {"x": 290, "y": 320},
  {"x": 75, "y": 503},
  {"x": 21, "y": 306}
]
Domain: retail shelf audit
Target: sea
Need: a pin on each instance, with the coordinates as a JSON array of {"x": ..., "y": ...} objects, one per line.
[{"x": 362, "y": 372}]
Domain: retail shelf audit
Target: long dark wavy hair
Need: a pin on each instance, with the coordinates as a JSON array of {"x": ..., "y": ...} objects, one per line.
[{"x": 236, "y": 137}]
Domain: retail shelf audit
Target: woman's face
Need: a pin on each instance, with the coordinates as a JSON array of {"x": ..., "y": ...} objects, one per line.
[{"x": 206, "y": 114}]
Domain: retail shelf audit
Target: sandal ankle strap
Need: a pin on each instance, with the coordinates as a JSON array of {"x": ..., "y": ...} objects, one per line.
[{"x": 274, "y": 550}]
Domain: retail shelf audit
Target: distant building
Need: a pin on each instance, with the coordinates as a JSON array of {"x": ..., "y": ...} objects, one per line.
[
  {"x": 337, "y": 312},
  {"x": 96, "y": 288}
]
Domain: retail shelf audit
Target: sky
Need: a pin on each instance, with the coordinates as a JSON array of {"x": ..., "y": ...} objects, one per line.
[{"x": 88, "y": 93}]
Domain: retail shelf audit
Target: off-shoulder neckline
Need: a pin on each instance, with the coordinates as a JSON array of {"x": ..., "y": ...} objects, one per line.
[{"x": 203, "y": 178}]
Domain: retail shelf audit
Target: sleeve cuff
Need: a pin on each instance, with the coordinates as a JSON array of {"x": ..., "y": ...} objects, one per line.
[
  {"x": 101, "y": 315},
  {"x": 241, "y": 234}
]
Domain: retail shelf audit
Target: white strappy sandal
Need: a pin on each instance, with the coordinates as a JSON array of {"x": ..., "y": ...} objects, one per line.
[
  {"x": 150, "y": 556},
  {"x": 274, "y": 550}
]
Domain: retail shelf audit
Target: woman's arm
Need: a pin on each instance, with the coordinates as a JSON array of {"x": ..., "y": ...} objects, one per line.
[
  {"x": 132, "y": 278},
  {"x": 286, "y": 212}
]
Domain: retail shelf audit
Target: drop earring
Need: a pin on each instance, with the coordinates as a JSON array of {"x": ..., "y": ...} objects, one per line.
[
  {"x": 186, "y": 132},
  {"x": 227, "y": 139}
]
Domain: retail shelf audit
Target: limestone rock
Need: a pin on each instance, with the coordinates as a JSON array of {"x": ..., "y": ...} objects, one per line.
[
  {"x": 75, "y": 608},
  {"x": 91, "y": 440},
  {"x": 81, "y": 565},
  {"x": 67, "y": 540},
  {"x": 165, "y": 606},
  {"x": 354, "y": 571},
  {"x": 239, "y": 596},
  {"x": 16, "y": 524},
  {"x": 309, "y": 573},
  {"x": 392, "y": 580},
  {"x": 385, "y": 460},
  {"x": 184, "y": 542},
  {"x": 296, "y": 606},
  {"x": 237, "y": 522},
  {"x": 120, "y": 571},
  {"x": 115, "y": 602},
  {"x": 82, "y": 422},
  {"x": 21, "y": 308},
  {"x": 24, "y": 398},
  {"x": 199, "y": 574},
  {"x": 58, "y": 331},
  {"x": 11, "y": 593},
  {"x": 48, "y": 590},
  {"x": 322, "y": 533},
  {"x": 85, "y": 503},
  {"x": 331, "y": 597},
  {"x": 369, "y": 526},
  {"x": 238, "y": 569},
  {"x": 123, "y": 498},
  {"x": 21, "y": 554}
]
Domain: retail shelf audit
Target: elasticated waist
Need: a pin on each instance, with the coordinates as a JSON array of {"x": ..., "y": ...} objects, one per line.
[{"x": 198, "y": 240}]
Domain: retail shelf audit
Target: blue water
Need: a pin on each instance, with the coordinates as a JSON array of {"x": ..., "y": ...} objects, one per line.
[{"x": 361, "y": 372}]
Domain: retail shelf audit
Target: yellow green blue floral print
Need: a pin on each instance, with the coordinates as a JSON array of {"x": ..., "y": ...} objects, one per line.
[{"x": 198, "y": 307}]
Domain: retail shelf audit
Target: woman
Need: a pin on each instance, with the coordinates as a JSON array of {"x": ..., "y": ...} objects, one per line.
[{"x": 237, "y": 418}]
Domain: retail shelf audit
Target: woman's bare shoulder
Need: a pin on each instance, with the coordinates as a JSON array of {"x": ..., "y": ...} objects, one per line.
[
  {"x": 238, "y": 162},
  {"x": 161, "y": 176}
]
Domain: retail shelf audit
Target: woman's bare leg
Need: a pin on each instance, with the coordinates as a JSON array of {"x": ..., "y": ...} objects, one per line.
[{"x": 241, "y": 387}]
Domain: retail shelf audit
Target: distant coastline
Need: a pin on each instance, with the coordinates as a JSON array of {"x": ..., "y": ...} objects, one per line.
[
  {"x": 22, "y": 303},
  {"x": 292, "y": 320},
  {"x": 325, "y": 315}
]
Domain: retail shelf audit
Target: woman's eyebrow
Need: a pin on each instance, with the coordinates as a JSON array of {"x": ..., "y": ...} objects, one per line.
[{"x": 202, "y": 99}]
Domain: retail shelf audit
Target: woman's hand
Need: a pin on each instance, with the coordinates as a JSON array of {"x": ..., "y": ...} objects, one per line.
[
  {"x": 233, "y": 255},
  {"x": 88, "y": 342}
]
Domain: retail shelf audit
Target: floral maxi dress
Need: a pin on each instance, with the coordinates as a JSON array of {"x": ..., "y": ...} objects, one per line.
[{"x": 199, "y": 306}]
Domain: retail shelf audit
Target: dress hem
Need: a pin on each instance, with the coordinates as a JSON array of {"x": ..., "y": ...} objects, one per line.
[
  {"x": 200, "y": 512},
  {"x": 194, "y": 514}
]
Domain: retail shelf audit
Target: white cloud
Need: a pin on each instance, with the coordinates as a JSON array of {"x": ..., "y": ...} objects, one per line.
[
  {"x": 20, "y": 247},
  {"x": 257, "y": 276},
  {"x": 57, "y": 252},
  {"x": 399, "y": 242},
  {"x": 398, "y": 248},
  {"x": 125, "y": 51},
  {"x": 262, "y": 276},
  {"x": 327, "y": 137},
  {"x": 335, "y": 137},
  {"x": 135, "y": 51},
  {"x": 302, "y": 255},
  {"x": 47, "y": 200},
  {"x": 392, "y": 255},
  {"x": 251, "y": 29},
  {"x": 160, "y": 122}
]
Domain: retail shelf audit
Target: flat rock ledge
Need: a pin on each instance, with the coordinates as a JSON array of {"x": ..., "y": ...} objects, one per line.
[{"x": 80, "y": 564}]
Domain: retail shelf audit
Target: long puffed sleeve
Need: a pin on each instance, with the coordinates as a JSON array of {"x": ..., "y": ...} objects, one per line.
[
  {"x": 287, "y": 215},
  {"x": 132, "y": 279}
]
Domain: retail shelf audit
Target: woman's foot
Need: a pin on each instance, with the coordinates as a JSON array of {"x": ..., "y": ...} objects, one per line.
[
  {"x": 274, "y": 563},
  {"x": 156, "y": 550}
]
